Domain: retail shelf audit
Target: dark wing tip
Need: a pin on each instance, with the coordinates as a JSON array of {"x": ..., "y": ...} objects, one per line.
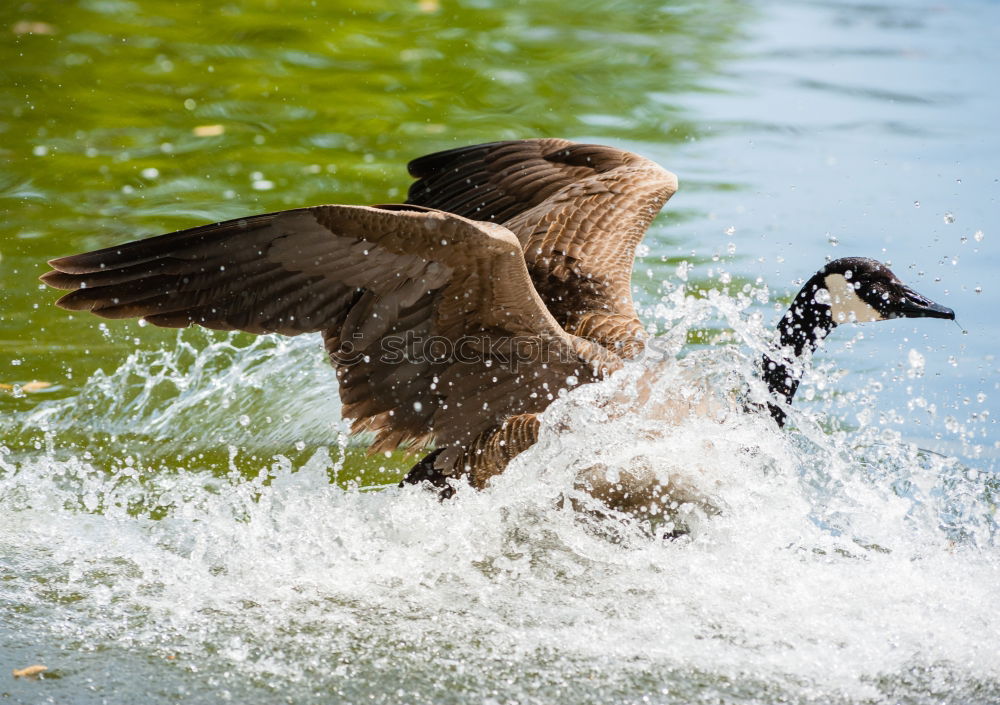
[
  {"x": 57, "y": 279},
  {"x": 72, "y": 302},
  {"x": 62, "y": 264},
  {"x": 429, "y": 163},
  {"x": 84, "y": 262}
]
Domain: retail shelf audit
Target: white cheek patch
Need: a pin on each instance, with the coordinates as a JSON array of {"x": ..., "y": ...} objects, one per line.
[{"x": 845, "y": 304}]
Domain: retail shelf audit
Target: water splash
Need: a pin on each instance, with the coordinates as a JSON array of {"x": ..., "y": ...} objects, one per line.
[
  {"x": 842, "y": 565},
  {"x": 208, "y": 389}
]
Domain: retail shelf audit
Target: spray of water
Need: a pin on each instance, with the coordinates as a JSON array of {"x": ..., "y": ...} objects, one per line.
[{"x": 819, "y": 565}]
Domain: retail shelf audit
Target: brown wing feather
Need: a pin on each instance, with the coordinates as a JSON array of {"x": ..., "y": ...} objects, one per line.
[
  {"x": 364, "y": 277},
  {"x": 578, "y": 210},
  {"x": 498, "y": 180}
]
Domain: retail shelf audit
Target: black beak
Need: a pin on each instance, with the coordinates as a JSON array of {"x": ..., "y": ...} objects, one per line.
[{"x": 914, "y": 305}]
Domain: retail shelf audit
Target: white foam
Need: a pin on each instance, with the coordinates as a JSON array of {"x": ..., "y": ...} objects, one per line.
[{"x": 842, "y": 563}]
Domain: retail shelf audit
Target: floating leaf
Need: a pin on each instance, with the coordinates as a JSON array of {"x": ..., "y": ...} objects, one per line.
[
  {"x": 208, "y": 130},
  {"x": 32, "y": 386},
  {"x": 30, "y": 671},
  {"x": 29, "y": 27}
]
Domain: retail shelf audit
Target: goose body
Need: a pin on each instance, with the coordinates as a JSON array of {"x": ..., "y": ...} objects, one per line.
[{"x": 456, "y": 318}]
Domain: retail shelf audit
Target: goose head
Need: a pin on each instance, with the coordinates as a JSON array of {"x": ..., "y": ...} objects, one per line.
[
  {"x": 847, "y": 290},
  {"x": 858, "y": 289},
  {"x": 851, "y": 290}
]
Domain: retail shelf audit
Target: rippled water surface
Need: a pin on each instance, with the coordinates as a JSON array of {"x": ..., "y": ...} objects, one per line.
[{"x": 183, "y": 519}]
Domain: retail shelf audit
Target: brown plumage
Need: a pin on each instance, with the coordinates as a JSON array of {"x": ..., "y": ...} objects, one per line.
[
  {"x": 512, "y": 258},
  {"x": 578, "y": 210}
]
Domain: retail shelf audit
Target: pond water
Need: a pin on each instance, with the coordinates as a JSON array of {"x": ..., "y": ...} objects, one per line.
[{"x": 183, "y": 519}]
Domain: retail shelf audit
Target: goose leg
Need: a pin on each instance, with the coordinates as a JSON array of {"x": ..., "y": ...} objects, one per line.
[
  {"x": 424, "y": 471},
  {"x": 487, "y": 456}
]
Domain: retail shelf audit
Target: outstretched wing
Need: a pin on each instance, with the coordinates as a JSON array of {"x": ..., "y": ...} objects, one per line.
[
  {"x": 378, "y": 282},
  {"x": 578, "y": 210}
]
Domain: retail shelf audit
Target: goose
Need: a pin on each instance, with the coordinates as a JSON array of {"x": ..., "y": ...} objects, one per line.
[{"x": 456, "y": 318}]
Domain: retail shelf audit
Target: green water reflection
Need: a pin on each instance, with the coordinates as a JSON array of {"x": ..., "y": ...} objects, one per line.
[{"x": 122, "y": 119}]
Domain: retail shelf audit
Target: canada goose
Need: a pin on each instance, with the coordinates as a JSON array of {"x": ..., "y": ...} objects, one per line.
[{"x": 457, "y": 317}]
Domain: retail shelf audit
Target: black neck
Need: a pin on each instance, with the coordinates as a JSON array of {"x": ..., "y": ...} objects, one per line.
[{"x": 803, "y": 326}]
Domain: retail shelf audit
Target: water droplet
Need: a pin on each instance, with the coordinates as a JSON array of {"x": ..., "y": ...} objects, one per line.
[
  {"x": 949, "y": 218},
  {"x": 150, "y": 172},
  {"x": 978, "y": 237},
  {"x": 244, "y": 420},
  {"x": 916, "y": 204},
  {"x": 981, "y": 397},
  {"x": 189, "y": 104},
  {"x": 963, "y": 239},
  {"x": 300, "y": 445},
  {"x": 40, "y": 150},
  {"x": 417, "y": 406},
  {"x": 978, "y": 289},
  {"x": 731, "y": 248},
  {"x": 730, "y": 230},
  {"x": 263, "y": 185},
  {"x": 832, "y": 239}
]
